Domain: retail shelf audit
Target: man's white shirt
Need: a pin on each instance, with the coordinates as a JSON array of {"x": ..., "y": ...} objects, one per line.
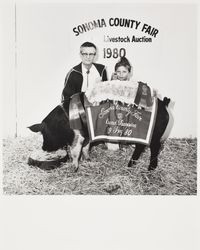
[{"x": 90, "y": 78}]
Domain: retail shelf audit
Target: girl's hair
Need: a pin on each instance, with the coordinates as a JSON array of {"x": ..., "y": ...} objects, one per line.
[{"x": 123, "y": 62}]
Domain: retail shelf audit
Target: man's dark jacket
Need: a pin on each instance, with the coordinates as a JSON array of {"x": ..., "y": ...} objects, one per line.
[{"x": 74, "y": 80}]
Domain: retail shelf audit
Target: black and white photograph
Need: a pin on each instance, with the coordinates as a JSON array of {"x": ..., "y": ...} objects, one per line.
[
  {"x": 99, "y": 102},
  {"x": 102, "y": 103}
]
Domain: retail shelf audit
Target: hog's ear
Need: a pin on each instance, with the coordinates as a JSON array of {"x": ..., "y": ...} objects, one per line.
[{"x": 37, "y": 127}]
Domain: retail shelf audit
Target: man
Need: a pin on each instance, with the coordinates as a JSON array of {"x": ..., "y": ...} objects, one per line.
[{"x": 84, "y": 74}]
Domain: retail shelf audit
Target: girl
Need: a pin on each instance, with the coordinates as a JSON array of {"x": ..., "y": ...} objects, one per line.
[
  {"x": 122, "y": 70},
  {"x": 122, "y": 73}
]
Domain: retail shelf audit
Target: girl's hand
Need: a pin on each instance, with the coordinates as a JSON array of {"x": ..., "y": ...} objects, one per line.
[{"x": 114, "y": 76}]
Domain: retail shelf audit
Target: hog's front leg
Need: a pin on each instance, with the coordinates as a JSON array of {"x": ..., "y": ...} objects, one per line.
[
  {"x": 85, "y": 152},
  {"x": 76, "y": 148}
]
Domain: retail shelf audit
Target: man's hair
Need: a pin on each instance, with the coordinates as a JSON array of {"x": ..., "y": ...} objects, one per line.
[
  {"x": 123, "y": 62},
  {"x": 88, "y": 44}
]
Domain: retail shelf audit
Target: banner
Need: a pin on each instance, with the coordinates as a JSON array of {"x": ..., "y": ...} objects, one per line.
[{"x": 116, "y": 122}]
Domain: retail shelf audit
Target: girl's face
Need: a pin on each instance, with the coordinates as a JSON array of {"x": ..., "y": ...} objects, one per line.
[{"x": 122, "y": 73}]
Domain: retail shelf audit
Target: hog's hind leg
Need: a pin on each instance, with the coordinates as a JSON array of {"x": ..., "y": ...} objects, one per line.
[
  {"x": 139, "y": 148},
  {"x": 155, "y": 148}
]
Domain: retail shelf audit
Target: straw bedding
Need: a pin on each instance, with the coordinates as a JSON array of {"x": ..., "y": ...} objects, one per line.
[{"x": 106, "y": 174}]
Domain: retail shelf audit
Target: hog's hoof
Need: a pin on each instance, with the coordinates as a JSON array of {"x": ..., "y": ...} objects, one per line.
[
  {"x": 131, "y": 163},
  {"x": 85, "y": 158},
  {"x": 151, "y": 169},
  {"x": 153, "y": 165},
  {"x": 74, "y": 168}
]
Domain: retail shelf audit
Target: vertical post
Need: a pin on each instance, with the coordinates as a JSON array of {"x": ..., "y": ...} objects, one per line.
[{"x": 16, "y": 111}]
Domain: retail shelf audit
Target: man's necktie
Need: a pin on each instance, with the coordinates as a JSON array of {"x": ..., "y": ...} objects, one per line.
[{"x": 87, "y": 72}]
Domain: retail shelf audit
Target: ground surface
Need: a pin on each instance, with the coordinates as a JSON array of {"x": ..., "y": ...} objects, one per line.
[{"x": 107, "y": 172}]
